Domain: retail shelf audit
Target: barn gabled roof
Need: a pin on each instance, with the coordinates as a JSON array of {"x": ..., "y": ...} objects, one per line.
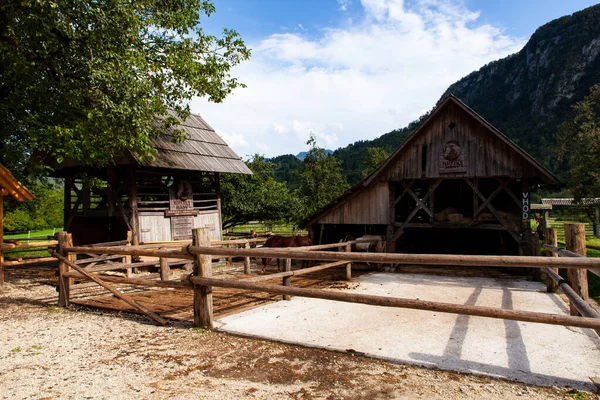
[
  {"x": 12, "y": 187},
  {"x": 375, "y": 175}
]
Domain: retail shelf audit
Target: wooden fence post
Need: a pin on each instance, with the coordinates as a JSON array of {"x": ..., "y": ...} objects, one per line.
[
  {"x": 127, "y": 259},
  {"x": 64, "y": 289},
  {"x": 577, "y": 277},
  {"x": 165, "y": 271},
  {"x": 552, "y": 240},
  {"x": 247, "y": 260},
  {"x": 348, "y": 249},
  {"x": 287, "y": 280},
  {"x": 203, "y": 301}
]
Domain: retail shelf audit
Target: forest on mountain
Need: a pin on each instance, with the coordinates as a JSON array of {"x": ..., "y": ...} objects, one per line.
[{"x": 527, "y": 95}]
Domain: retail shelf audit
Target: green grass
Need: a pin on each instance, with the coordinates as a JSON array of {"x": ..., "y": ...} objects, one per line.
[
  {"x": 42, "y": 233},
  {"x": 33, "y": 234}
]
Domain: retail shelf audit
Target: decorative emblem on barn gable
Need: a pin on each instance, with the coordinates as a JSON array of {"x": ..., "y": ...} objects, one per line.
[{"x": 452, "y": 158}]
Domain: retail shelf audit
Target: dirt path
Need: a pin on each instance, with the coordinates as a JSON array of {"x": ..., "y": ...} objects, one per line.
[{"x": 47, "y": 352}]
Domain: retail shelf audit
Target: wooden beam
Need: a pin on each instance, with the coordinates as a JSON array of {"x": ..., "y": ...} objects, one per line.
[
  {"x": 582, "y": 307},
  {"x": 406, "y": 258},
  {"x": 493, "y": 211},
  {"x": 384, "y": 301},
  {"x": 420, "y": 204},
  {"x": 552, "y": 240},
  {"x": 127, "y": 299},
  {"x": 203, "y": 299},
  {"x": 575, "y": 240}
]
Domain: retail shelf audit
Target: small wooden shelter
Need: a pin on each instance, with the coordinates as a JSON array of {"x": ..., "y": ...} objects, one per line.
[
  {"x": 157, "y": 200},
  {"x": 455, "y": 185},
  {"x": 9, "y": 188}
]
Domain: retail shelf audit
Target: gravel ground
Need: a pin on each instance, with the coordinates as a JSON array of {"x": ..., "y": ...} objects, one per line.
[{"x": 78, "y": 353}]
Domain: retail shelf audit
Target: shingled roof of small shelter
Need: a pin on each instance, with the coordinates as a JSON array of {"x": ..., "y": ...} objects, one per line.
[
  {"x": 12, "y": 187},
  {"x": 203, "y": 150},
  {"x": 367, "y": 181}
]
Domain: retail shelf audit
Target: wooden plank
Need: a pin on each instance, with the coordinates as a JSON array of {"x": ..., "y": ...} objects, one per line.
[
  {"x": 527, "y": 316},
  {"x": 127, "y": 299}
]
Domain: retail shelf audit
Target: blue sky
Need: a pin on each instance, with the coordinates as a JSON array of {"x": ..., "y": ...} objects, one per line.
[{"x": 348, "y": 70}]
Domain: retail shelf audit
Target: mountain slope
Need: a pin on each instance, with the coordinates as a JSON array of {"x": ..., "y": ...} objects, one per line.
[{"x": 526, "y": 95}]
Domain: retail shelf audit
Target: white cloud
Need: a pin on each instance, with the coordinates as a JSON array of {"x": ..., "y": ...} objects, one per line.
[
  {"x": 357, "y": 82},
  {"x": 343, "y": 4}
]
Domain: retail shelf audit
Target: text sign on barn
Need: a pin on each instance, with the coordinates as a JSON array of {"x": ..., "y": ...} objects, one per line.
[
  {"x": 181, "y": 211},
  {"x": 525, "y": 206},
  {"x": 452, "y": 158}
]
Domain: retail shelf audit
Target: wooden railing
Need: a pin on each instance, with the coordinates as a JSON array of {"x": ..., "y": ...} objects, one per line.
[
  {"x": 16, "y": 246},
  {"x": 202, "y": 251}
]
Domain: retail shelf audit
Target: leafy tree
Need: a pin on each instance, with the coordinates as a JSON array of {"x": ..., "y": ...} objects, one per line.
[
  {"x": 321, "y": 180},
  {"x": 83, "y": 80},
  {"x": 45, "y": 211},
  {"x": 580, "y": 146},
  {"x": 375, "y": 157},
  {"x": 257, "y": 197}
]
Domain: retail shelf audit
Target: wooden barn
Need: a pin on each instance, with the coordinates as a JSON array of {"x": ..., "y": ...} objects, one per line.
[
  {"x": 456, "y": 185},
  {"x": 158, "y": 200}
]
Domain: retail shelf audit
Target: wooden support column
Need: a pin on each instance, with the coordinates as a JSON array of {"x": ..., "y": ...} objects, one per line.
[
  {"x": 247, "y": 260},
  {"x": 287, "y": 280},
  {"x": 552, "y": 240},
  {"x": 348, "y": 249},
  {"x": 133, "y": 208},
  {"x": 64, "y": 289},
  {"x": 127, "y": 259},
  {"x": 475, "y": 198},
  {"x": 392, "y": 218},
  {"x": 577, "y": 278},
  {"x": 203, "y": 300}
]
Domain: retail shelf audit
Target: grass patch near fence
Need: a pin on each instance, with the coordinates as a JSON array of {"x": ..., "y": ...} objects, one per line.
[
  {"x": 593, "y": 279},
  {"x": 34, "y": 234}
]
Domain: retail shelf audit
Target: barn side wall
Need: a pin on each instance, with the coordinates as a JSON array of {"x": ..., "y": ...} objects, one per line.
[{"x": 370, "y": 207}]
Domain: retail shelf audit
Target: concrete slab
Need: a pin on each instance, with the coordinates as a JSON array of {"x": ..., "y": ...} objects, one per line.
[{"x": 528, "y": 352}]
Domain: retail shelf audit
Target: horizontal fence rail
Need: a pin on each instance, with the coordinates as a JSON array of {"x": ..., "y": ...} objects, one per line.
[{"x": 384, "y": 301}]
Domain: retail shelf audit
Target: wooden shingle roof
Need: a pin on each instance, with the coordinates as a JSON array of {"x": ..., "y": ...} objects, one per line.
[
  {"x": 13, "y": 188},
  {"x": 203, "y": 150}
]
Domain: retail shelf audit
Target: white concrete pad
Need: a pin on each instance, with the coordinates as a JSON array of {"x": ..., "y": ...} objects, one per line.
[{"x": 528, "y": 352}]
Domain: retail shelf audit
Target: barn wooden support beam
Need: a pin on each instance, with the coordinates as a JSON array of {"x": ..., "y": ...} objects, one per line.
[
  {"x": 487, "y": 203},
  {"x": 419, "y": 206}
]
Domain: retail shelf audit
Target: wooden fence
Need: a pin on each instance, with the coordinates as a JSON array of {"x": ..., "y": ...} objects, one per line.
[
  {"x": 201, "y": 282},
  {"x": 11, "y": 252}
]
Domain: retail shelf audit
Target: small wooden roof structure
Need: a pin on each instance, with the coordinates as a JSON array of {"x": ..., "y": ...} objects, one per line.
[
  {"x": 13, "y": 188},
  {"x": 203, "y": 150},
  {"x": 517, "y": 160}
]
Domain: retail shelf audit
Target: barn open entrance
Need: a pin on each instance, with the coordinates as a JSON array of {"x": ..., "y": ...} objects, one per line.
[
  {"x": 457, "y": 241},
  {"x": 458, "y": 216}
]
